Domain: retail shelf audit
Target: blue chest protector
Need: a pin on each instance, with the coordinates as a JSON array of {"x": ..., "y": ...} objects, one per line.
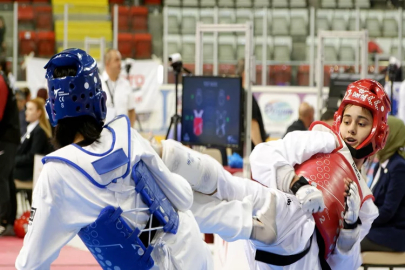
[
  {"x": 109, "y": 238},
  {"x": 113, "y": 243}
]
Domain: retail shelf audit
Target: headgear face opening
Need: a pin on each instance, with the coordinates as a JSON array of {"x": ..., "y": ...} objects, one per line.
[
  {"x": 77, "y": 95},
  {"x": 368, "y": 94}
]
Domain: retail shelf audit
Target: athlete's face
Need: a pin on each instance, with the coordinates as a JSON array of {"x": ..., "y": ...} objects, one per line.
[
  {"x": 32, "y": 113},
  {"x": 356, "y": 125}
]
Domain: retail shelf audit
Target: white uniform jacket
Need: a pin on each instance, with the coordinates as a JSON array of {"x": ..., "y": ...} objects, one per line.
[
  {"x": 64, "y": 201},
  {"x": 294, "y": 149}
]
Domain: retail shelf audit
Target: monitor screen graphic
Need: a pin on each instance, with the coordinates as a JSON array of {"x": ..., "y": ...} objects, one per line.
[{"x": 212, "y": 111}]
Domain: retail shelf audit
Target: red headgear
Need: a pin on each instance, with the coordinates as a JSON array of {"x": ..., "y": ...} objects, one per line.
[
  {"x": 368, "y": 94},
  {"x": 21, "y": 224}
]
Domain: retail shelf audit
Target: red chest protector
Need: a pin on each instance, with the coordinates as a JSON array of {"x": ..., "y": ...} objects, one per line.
[{"x": 326, "y": 172}]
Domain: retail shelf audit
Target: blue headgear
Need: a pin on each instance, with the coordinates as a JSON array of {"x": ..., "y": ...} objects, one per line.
[{"x": 73, "y": 96}]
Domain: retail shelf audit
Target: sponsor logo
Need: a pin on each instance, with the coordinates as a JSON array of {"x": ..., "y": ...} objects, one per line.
[
  {"x": 278, "y": 111},
  {"x": 356, "y": 171},
  {"x": 32, "y": 214}
]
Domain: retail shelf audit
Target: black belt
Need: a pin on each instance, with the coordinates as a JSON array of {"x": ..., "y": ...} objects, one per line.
[{"x": 281, "y": 260}]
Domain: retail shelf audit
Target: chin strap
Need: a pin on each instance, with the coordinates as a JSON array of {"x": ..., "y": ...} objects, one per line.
[{"x": 360, "y": 153}]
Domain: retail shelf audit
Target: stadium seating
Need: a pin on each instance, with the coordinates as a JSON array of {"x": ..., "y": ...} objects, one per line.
[
  {"x": 173, "y": 20},
  {"x": 282, "y": 49},
  {"x": 125, "y": 45},
  {"x": 189, "y": 20},
  {"x": 373, "y": 23},
  {"x": 188, "y": 48},
  {"x": 347, "y": 49},
  {"x": 27, "y": 42},
  {"x": 303, "y": 75},
  {"x": 258, "y": 18},
  {"x": 45, "y": 43},
  {"x": 261, "y": 3},
  {"x": 207, "y": 15},
  {"x": 226, "y": 48},
  {"x": 390, "y": 24},
  {"x": 242, "y": 16},
  {"x": 139, "y": 19},
  {"x": 226, "y": 16},
  {"x": 299, "y": 22},
  {"x": 173, "y": 44},
  {"x": 208, "y": 49},
  {"x": 123, "y": 18},
  {"x": 26, "y": 16},
  {"x": 323, "y": 19},
  {"x": 280, "y": 22},
  {"x": 340, "y": 20},
  {"x": 280, "y": 75},
  {"x": 258, "y": 51},
  {"x": 143, "y": 46},
  {"x": 43, "y": 18}
]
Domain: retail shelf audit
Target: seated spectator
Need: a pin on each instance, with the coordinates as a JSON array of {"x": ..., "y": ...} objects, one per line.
[
  {"x": 21, "y": 97},
  {"x": 327, "y": 117},
  {"x": 34, "y": 141},
  {"x": 387, "y": 232},
  {"x": 305, "y": 118}
]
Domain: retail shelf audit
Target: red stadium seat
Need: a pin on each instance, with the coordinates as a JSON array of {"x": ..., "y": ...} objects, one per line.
[
  {"x": 139, "y": 19},
  {"x": 25, "y": 13},
  {"x": 259, "y": 75},
  {"x": 27, "y": 42},
  {"x": 143, "y": 46},
  {"x": 153, "y": 2},
  {"x": 303, "y": 75},
  {"x": 123, "y": 18},
  {"x": 125, "y": 44},
  {"x": 190, "y": 67},
  {"x": 226, "y": 69},
  {"x": 43, "y": 17},
  {"x": 46, "y": 44},
  {"x": 208, "y": 69},
  {"x": 280, "y": 75}
]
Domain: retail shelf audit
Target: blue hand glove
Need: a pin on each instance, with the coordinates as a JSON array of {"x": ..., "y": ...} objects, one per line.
[{"x": 235, "y": 161}]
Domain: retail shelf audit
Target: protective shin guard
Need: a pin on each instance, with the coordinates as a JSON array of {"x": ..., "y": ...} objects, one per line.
[
  {"x": 198, "y": 169},
  {"x": 264, "y": 227}
]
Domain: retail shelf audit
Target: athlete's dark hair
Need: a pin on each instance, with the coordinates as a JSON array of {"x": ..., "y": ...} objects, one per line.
[{"x": 67, "y": 128}]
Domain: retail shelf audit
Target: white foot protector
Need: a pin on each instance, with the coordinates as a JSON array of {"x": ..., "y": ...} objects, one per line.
[
  {"x": 198, "y": 169},
  {"x": 264, "y": 227}
]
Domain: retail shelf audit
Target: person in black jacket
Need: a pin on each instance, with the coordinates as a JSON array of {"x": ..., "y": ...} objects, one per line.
[
  {"x": 305, "y": 118},
  {"x": 34, "y": 141},
  {"x": 9, "y": 141},
  {"x": 387, "y": 232}
]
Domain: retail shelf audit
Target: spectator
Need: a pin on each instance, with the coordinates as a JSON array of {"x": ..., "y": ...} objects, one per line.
[
  {"x": 305, "y": 118},
  {"x": 388, "y": 229},
  {"x": 35, "y": 141},
  {"x": 257, "y": 134},
  {"x": 118, "y": 90},
  {"x": 327, "y": 117},
  {"x": 2, "y": 36},
  {"x": 9, "y": 141},
  {"x": 22, "y": 97},
  {"x": 42, "y": 93}
]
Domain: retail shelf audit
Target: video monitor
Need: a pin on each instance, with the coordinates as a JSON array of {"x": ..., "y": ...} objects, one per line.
[{"x": 212, "y": 111}]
